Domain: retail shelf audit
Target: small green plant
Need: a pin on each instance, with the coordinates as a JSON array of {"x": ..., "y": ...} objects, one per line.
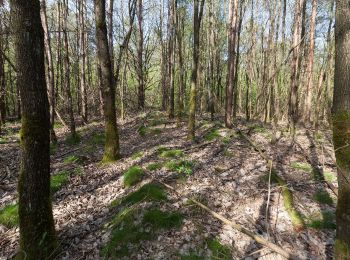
[
  {"x": 218, "y": 250},
  {"x": 9, "y": 215},
  {"x": 323, "y": 197},
  {"x": 137, "y": 155},
  {"x": 58, "y": 180},
  {"x": 142, "y": 130},
  {"x": 149, "y": 192},
  {"x": 98, "y": 139},
  {"x": 79, "y": 171},
  {"x": 73, "y": 139},
  {"x": 154, "y": 166},
  {"x": 329, "y": 176},
  {"x": 132, "y": 176},
  {"x": 327, "y": 221},
  {"x": 74, "y": 159},
  {"x": 182, "y": 167},
  {"x": 162, "y": 220},
  {"x": 191, "y": 256},
  {"x": 58, "y": 125},
  {"x": 301, "y": 166},
  {"x": 169, "y": 153},
  {"x": 212, "y": 135}
]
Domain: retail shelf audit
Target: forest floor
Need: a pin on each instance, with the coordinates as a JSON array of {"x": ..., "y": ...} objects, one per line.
[{"x": 120, "y": 210}]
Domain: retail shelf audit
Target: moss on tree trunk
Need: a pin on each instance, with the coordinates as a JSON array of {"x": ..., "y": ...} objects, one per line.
[{"x": 37, "y": 233}]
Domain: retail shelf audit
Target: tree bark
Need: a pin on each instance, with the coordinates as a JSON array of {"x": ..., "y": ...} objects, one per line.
[
  {"x": 341, "y": 126},
  {"x": 140, "y": 52},
  {"x": 37, "y": 232},
  {"x": 50, "y": 68},
  {"x": 108, "y": 91},
  {"x": 197, "y": 18},
  {"x": 231, "y": 63}
]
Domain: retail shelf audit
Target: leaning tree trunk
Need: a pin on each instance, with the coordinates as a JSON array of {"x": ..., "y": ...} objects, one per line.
[
  {"x": 37, "y": 232},
  {"x": 341, "y": 126},
  {"x": 108, "y": 91}
]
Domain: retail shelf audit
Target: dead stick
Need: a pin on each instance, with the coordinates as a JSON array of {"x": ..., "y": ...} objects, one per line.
[{"x": 236, "y": 226}]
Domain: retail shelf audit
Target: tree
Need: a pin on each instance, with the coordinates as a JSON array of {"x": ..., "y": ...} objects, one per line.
[
  {"x": 197, "y": 18},
  {"x": 310, "y": 65},
  {"x": 2, "y": 83},
  {"x": 108, "y": 91},
  {"x": 341, "y": 126},
  {"x": 295, "y": 66},
  {"x": 50, "y": 69},
  {"x": 37, "y": 233},
  {"x": 231, "y": 63},
  {"x": 140, "y": 60}
]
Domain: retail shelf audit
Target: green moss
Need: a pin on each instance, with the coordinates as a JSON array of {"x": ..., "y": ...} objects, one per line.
[
  {"x": 156, "y": 122},
  {"x": 325, "y": 221},
  {"x": 58, "y": 125},
  {"x": 132, "y": 176},
  {"x": 137, "y": 155},
  {"x": 154, "y": 166},
  {"x": 142, "y": 130},
  {"x": 9, "y": 215},
  {"x": 58, "y": 180},
  {"x": 162, "y": 220},
  {"x": 212, "y": 135},
  {"x": 125, "y": 215},
  {"x": 171, "y": 153},
  {"x": 73, "y": 139},
  {"x": 288, "y": 202},
  {"x": 182, "y": 167},
  {"x": 98, "y": 139},
  {"x": 218, "y": 250},
  {"x": 74, "y": 159},
  {"x": 341, "y": 249},
  {"x": 301, "y": 166},
  {"x": 149, "y": 192},
  {"x": 323, "y": 197},
  {"x": 329, "y": 176},
  {"x": 79, "y": 171}
]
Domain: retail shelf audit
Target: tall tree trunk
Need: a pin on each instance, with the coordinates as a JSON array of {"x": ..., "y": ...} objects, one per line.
[
  {"x": 50, "y": 68},
  {"x": 37, "y": 231},
  {"x": 67, "y": 80},
  {"x": 112, "y": 138},
  {"x": 231, "y": 63},
  {"x": 140, "y": 52},
  {"x": 2, "y": 82},
  {"x": 181, "y": 93},
  {"x": 197, "y": 18},
  {"x": 341, "y": 126},
  {"x": 171, "y": 57},
  {"x": 82, "y": 61},
  {"x": 310, "y": 65},
  {"x": 293, "y": 93}
]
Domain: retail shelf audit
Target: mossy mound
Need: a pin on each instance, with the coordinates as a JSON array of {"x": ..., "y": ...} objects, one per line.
[
  {"x": 98, "y": 139},
  {"x": 154, "y": 166},
  {"x": 162, "y": 220},
  {"x": 74, "y": 159},
  {"x": 9, "y": 215},
  {"x": 169, "y": 153},
  {"x": 181, "y": 167},
  {"x": 58, "y": 180},
  {"x": 324, "y": 220},
  {"x": 323, "y": 197},
  {"x": 301, "y": 166},
  {"x": 137, "y": 155},
  {"x": 218, "y": 250},
  {"x": 148, "y": 192},
  {"x": 132, "y": 176}
]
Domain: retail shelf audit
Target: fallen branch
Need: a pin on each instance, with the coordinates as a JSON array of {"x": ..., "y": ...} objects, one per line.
[
  {"x": 261, "y": 240},
  {"x": 288, "y": 202}
]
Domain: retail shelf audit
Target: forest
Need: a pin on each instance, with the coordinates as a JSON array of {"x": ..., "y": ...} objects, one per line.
[{"x": 175, "y": 129}]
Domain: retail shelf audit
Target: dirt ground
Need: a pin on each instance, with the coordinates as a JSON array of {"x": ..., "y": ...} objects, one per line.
[{"x": 228, "y": 175}]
